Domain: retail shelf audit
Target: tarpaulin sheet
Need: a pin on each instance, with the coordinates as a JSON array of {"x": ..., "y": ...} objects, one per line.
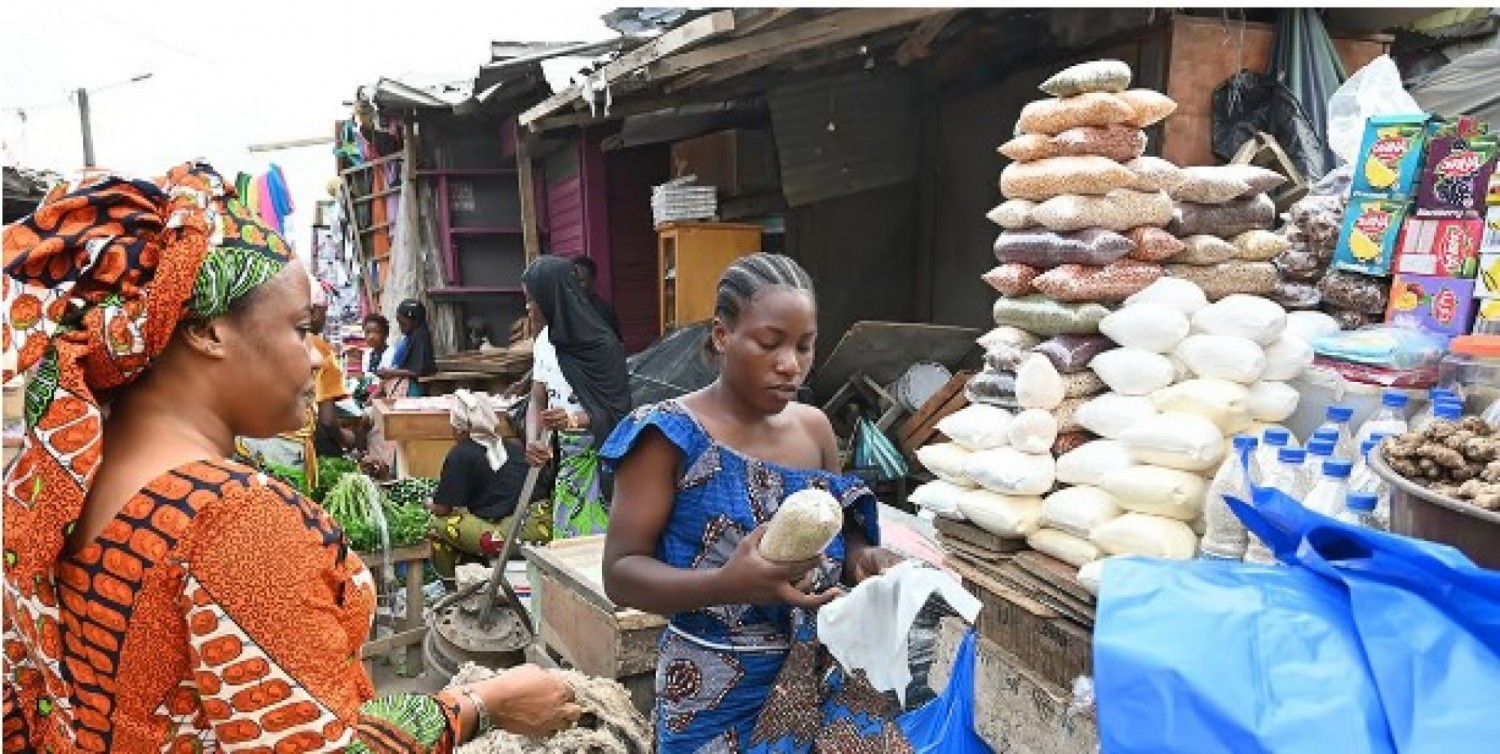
[
  {"x": 1467, "y": 86},
  {"x": 1364, "y": 641}
]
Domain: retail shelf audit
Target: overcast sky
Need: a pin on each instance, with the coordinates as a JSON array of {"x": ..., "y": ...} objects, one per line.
[{"x": 227, "y": 75}]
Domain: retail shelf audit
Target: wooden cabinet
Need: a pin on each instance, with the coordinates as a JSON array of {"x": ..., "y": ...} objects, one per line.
[{"x": 690, "y": 259}]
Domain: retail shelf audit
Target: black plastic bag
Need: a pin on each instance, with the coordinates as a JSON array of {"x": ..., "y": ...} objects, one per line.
[{"x": 1248, "y": 102}]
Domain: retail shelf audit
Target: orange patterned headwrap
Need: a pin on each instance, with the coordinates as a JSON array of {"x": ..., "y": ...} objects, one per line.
[{"x": 97, "y": 280}]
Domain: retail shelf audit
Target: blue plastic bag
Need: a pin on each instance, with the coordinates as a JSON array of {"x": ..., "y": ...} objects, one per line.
[
  {"x": 945, "y": 725},
  {"x": 1364, "y": 641}
]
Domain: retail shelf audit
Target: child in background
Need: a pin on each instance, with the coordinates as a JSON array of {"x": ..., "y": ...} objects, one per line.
[{"x": 697, "y": 479}]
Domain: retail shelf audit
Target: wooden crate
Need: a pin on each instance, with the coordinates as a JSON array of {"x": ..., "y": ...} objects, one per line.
[
  {"x": 582, "y": 627},
  {"x": 410, "y": 630},
  {"x": 1058, "y": 648},
  {"x": 920, "y": 428}
]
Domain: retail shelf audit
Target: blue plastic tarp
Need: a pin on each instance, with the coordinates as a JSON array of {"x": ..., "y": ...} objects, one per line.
[{"x": 1362, "y": 642}]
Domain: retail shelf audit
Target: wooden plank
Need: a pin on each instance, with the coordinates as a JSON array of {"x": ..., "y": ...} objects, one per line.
[
  {"x": 976, "y": 555},
  {"x": 1055, "y": 572},
  {"x": 377, "y": 195},
  {"x": 974, "y": 536},
  {"x": 372, "y": 164},
  {"x": 756, "y": 19},
  {"x": 402, "y": 640},
  {"x": 833, "y": 28},
  {"x": 591, "y": 639},
  {"x": 920, "y": 428},
  {"x": 918, "y": 45},
  {"x": 674, "y": 40},
  {"x": 419, "y": 551},
  {"x": 526, "y": 180}
]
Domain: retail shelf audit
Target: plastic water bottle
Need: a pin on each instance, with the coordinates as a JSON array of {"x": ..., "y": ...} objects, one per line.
[
  {"x": 1360, "y": 509},
  {"x": 1434, "y": 397},
  {"x": 1224, "y": 535},
  {"x": 1331, "y": 492},
  {"x": 1271, "y": 443},
  {"x": 1289, "y": 477},
  {"x": 1321, "y": 450},
  {"x": 1448, "y": 411},
  {"x": 1390, "y": 419},
  {"x": 1364, "y": 479},
  {"x": 1338, "y": 421}
]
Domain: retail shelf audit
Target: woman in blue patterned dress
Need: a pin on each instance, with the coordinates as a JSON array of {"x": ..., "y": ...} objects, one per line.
[{"x": 697, "y": 479}]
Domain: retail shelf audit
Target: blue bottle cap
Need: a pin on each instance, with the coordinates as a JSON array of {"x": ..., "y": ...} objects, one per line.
[
  {"x": 1449, "y": 411},
  {"x": 1332, "y": 435},
  {"x": 1321, "y": 447},
  {"x": 1245, "y": 442},
  {"x": 1340, "y": 413},
  {"x": 1337, "y": 469},
  {"x": 1277, "y": 437},
  {"x": 1393, "y": 399},
  {"x": 1292, "y": 455},
  {"x": 1363, "y": 502}
]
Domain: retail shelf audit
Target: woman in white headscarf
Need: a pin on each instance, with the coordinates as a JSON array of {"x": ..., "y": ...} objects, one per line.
[{"x": 479, "y": 487}]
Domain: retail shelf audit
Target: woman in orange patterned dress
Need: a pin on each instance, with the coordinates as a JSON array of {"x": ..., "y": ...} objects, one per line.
[{"x": 158, "y": 319}]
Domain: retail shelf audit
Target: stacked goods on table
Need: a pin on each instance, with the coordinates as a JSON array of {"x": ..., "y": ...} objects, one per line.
[
  {"x": 1416, "y": 218},
  {"x": 1307, "y": 280},
  {"x": 1077, "y": 192},
  {"x": 1223, "y": 215},
  {"x": 1188, "y": 376}
]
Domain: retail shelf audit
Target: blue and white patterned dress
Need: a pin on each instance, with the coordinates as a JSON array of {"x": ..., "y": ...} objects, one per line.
[{"x": 743, "y": 678}]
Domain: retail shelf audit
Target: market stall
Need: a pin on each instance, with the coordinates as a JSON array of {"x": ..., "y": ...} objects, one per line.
[
  {"x": 422, "y": 432},
  {"x": 1164, "y": 339}
]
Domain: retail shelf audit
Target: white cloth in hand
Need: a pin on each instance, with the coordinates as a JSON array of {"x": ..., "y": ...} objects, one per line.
[{"x": 868, "y": 629}]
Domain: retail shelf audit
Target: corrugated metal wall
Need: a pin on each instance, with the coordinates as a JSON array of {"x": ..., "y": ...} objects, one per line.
[{"x": 844, "y": 134}]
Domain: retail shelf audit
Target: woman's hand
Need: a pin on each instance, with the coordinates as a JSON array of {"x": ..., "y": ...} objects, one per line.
[
  {"x": 557, "y": 419},
  {"x": 538, "y": 453},
  {"x": 529, "y": 701},
  {"x": 749, "y": 578},
  {"x": 863, "y": 562}
]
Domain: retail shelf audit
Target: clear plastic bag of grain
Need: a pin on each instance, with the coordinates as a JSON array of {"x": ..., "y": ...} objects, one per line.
[
  {"x": 802, "y": 527},
  {"x": 1093, "y": 76},
  {"x": 1013, "y": 214},
  {"x": 1354, "y": 292},
  {"x": 1111, "y": 283},
  {"x": 1259, "y": 245},
  {"x": 1229, "y": 278},
  {"x": 1154, "y": 244},
  {"x": 1154, "y": 174},
  {"x": 1118, "y": 143},
  {"x": 1056, "y": 176},
  {"x": 1223, "y": 220},
  {"x": 1012, "y": 279},
  {"x": 1204, "y": 250},
  {"x": 1053, "y": 116},
  {"x": 1045, "y": 249},
  {"x": 1028, "y": 148},
  {"x": 1118, "y": 211}
]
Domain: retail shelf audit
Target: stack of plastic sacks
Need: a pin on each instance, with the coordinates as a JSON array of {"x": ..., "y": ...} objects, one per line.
[
  {"x": 1223, "y": 216},
  {"x": 1188, "y": 375}
]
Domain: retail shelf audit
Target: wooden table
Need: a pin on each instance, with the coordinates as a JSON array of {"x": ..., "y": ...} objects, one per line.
[
  {"x": 422, "y": 438},
  {"x": 577, "y": 622},
  {"x": 409, "y": 631}
]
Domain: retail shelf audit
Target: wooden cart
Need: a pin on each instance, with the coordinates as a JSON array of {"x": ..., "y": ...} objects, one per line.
[{"x": 582, "y": 628}]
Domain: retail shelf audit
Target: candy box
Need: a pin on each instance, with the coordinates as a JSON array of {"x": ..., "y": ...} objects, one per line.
[
  {"x": 1445, "y": 247},
  {"x": 1487, "y": 282},
  {"x": 1491, "y": 242},
  {"x": 1442, "y": 306},
  {"x": 1487, "y": 318},
  {"x": 1367, "y": 242},
  {"x": 1390, "y": 157},
  {"x": 1456, "y": 173}
]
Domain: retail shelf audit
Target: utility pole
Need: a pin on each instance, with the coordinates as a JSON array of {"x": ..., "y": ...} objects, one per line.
[
  {"x": 84, "y": 121},
  {"x": 88, "y": 131}
]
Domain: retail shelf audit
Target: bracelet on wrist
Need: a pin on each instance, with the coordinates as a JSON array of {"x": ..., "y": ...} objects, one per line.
[{"x": 481, "y": 713}]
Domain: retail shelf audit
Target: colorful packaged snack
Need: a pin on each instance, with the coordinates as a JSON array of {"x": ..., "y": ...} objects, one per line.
[
  {"x": 1456, "y": 173},
  {"x": 1367, "y": 244},
  {"x": 1390, "y": 157},
  {"x": 1445, "y": 247},
  {"x": 1441, "y": 306}
]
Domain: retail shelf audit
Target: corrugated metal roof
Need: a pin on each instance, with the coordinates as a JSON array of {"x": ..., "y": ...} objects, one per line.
[{"x": 845, "y": 134}]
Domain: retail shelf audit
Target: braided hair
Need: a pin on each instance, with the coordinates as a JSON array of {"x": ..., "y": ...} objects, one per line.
[{"x": 752, "y": 275}]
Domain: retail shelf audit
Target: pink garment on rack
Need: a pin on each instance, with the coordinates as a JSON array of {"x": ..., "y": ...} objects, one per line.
[{"x": 263, "y": 204}]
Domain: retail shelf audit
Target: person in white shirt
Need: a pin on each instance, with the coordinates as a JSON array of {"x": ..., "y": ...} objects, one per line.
[{"x": 580, "y": 391}]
